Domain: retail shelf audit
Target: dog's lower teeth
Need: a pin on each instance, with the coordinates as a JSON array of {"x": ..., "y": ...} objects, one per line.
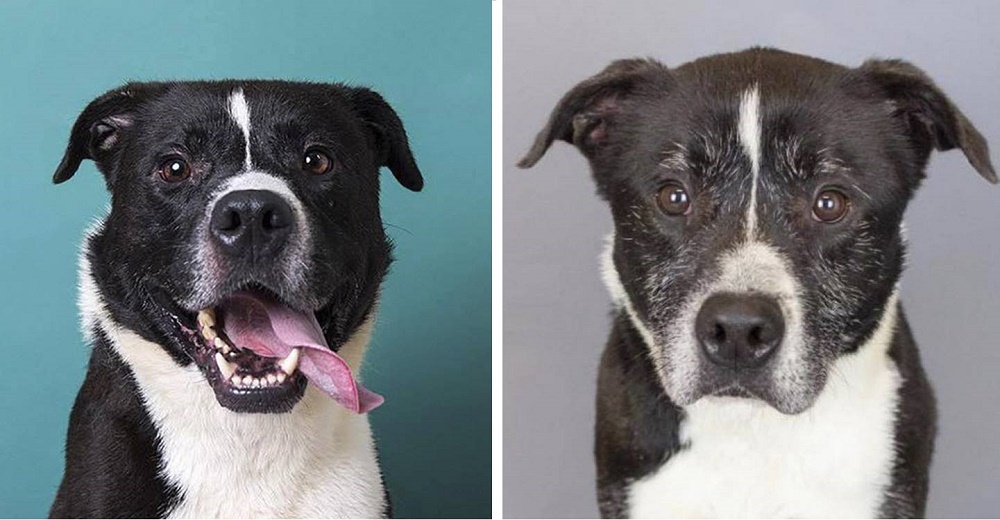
[
  {"x": 291, "y": 362},
  {"x": 227, "y": 368},
  {"x": 281, "y": 377},
  {"x": 271, "y": 379}
]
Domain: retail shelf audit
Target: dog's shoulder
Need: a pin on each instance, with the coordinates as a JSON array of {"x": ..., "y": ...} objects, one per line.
[{"x": 111, "y": 435}]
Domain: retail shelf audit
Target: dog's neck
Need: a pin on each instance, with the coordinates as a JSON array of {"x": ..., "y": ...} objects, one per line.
[{"x": 316, "y": 460}]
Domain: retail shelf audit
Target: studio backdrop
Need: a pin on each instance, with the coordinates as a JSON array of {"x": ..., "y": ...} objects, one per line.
[{"x": 430, "y": 356}]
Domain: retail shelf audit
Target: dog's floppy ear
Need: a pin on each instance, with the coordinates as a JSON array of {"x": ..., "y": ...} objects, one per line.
[
  {"x": 392, "y": 145},
  {"x": 582, "y": 116},
  {"x": 97, "y": 133},
  {"x": 932, "y": 120}
]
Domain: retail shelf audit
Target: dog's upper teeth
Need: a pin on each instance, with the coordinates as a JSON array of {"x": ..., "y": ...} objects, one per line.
[
  {"x": 291, "y": 362},
  {"x": 227, "y": 368},
  {"x": 221, "y": 344},
  {"x": 209, "y": 334},
  {"x": 206, "y": 318}
]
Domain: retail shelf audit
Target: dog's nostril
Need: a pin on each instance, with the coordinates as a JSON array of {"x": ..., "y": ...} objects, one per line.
[
  {"x": 719, "y": 334},
  {"x": 274, "y": 219},
  {"x": 756, "y": 334},
  {"x": 229, "y": 221}
]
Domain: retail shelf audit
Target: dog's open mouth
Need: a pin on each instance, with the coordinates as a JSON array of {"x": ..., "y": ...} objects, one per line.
[{"x": 257, "y": 353}]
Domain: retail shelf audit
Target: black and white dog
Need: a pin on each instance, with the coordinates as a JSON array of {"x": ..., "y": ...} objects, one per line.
[
  {"x": 760, "y": 364},
  {"x": 229, "y": 295}
]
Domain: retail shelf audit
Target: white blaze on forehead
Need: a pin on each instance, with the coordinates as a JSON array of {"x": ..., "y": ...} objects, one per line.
[
  {"x": 239, "y": 110},
  {"x": 749, "y": 132}
]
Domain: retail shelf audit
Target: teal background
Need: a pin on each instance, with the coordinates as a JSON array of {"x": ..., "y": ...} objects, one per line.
[{"x": 431, "y": 353}]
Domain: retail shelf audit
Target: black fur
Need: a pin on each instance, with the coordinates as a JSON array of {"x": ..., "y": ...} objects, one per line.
[
  {"x": 112, "y": 457},
  {"x": 866, "y": 131},
  {"x": 143, "y": 257}
]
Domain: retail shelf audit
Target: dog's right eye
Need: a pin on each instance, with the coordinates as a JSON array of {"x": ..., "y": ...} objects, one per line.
[
  {"x": 830, "y": 206},
  {"x": 673, "y": 200},
  {"x": 317, "y": 162},
  {"x": 174, "y": 170}
]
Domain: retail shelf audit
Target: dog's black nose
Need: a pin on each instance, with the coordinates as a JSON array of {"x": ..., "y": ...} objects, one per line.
[
  {"x": 739, "y": 331},
  {"x": 252, "y": 222}
]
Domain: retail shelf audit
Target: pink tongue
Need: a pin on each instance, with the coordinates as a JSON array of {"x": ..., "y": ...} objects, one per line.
[{"x": 270, "y": 329}]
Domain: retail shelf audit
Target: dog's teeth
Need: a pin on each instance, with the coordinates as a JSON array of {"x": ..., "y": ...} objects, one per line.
[
  {"x": 255, "y": 383},
  {"x": 206, "y": 318},
  {"x": 247, "y": 380},
  {"x": 209, "y": 333},
  {"x": 220, "y": 344},
  {"x": 227, "y": 368},
  {"x": 291, "y": 362},
  {"x": 236, "y": 380},
  {"x": 281, "y": 377},
  {"x": 271, "y": 379}
]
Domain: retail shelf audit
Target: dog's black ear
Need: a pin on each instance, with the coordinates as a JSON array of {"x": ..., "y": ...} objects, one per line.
[
  {"x": 582, "y": 116},
  {"x": 932, "y": 120},
  {"x": 391, "y": 143},
  {"x": 97, "y": 133}
]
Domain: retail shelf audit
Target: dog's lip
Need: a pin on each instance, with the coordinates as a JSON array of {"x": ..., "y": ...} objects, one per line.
[
  {"x": 278, "y": 395},
  {"x": 735, "y": 390}
]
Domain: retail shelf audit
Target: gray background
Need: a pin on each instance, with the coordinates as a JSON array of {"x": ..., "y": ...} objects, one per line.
[{"x": 556, "y": 312}]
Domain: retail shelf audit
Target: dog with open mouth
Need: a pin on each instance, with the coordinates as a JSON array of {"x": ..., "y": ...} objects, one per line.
[
  {"x": 759, "y": 363},
  {"x": 229, "y": 295}
]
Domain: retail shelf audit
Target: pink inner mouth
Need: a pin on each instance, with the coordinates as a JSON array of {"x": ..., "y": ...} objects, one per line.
[{"x": 271, "y": 329}]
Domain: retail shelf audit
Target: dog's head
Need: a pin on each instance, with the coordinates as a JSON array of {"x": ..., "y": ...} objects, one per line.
[
  {"x": 757, "y": 200},
  {"x": 240, "y": 197}
]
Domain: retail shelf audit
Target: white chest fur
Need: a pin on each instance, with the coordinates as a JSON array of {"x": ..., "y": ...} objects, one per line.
[
  {"x": 316, "y": 461},
  {"x": 746, "y": 460}
]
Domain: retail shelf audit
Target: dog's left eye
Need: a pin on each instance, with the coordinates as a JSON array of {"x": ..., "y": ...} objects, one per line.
[
  {"x": 830, "y": 206},
  {"x": 673, "y": 199},
  {"x": 317, "y": 162}
]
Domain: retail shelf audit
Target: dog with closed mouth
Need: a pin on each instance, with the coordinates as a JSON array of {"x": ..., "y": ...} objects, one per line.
[
  {"x": 229, "y": 295},
  {"x": 759, "y": 362}
]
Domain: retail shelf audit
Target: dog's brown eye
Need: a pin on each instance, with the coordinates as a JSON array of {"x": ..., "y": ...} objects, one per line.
[
  {"x": 174, "y": 170},
  {"x": 830, "y": 206},
  {"x": 673, "y": 200},
  {"x": 317, "y": 162}
]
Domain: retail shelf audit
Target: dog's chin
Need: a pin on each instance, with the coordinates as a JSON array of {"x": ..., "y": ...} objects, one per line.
[
  {"x": 754, "y": 390},
  {"x": 242, "y": 380}
]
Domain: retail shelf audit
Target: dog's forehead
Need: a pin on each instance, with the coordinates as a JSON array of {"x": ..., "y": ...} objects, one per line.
[
  {"x": 776, "y": 73},
  {"x": 215, "y": 106},
  {"x": 792, "y": 115}
]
